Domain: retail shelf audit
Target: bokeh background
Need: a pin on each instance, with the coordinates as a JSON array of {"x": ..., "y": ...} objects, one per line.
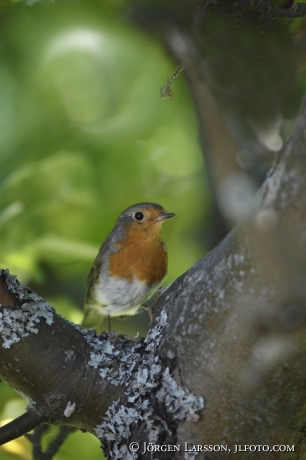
[{"x": 84, "y": 134}]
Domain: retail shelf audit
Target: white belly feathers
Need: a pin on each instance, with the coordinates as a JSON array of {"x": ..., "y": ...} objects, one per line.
[{"x": 109, "y": 292}]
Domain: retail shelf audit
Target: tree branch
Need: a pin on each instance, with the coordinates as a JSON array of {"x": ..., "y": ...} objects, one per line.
[
  {"x": 20, "y": 426},
  {"x": 35, "y": 439},
  {"x": 66, "y": 386},
  {"x": 53, "y": 448},
  {"x": 100, "y": 384},
  {"x": 242, "y": 308}
]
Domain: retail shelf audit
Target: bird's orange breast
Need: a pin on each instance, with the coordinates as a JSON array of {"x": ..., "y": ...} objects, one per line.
[{"x": 141, "y": 256}]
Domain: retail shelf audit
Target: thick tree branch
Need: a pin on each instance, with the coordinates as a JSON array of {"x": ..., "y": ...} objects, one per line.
[
  {"x": 242, "y": 319},
  {"x": 37, "y": 342},
  {"x": 102, "y": 385}
]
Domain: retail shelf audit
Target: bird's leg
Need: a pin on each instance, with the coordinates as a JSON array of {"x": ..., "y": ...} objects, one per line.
[
  {"x": 151, "y": 308},
  {"x": 150, "y": 311},
  {"x": 108, "y": 323}
]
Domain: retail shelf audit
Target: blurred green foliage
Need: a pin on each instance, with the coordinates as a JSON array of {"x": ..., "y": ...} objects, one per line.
[{"x": 83, "y": 135}]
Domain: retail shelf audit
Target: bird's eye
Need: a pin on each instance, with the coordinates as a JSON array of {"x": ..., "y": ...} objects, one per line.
[{"x": 138, "y": 215}]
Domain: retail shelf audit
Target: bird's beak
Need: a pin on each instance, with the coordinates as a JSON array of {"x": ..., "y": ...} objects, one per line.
[{"x": 164, "y": 216}]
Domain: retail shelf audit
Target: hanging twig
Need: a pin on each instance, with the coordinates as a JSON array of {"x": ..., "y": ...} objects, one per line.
[{"x": 166, "y": 91}]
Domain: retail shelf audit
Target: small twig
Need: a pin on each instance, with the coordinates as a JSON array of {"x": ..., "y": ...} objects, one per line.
[
  {"x": 35, "y": 440},
  {"x": 57, "y": 442},
  {"x": 55, "y": 445},
  {"x": 20, "y": 426},
  {"x": 166, "y": 91}
]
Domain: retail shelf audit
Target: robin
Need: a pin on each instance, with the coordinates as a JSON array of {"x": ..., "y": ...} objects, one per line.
[{"x": 130, "y": 266}]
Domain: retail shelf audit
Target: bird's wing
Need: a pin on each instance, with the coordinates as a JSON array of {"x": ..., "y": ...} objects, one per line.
[{"x": 94, "y": 273}]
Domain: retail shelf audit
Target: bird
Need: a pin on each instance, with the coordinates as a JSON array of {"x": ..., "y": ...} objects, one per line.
[{"x": 130, "y": 266}]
